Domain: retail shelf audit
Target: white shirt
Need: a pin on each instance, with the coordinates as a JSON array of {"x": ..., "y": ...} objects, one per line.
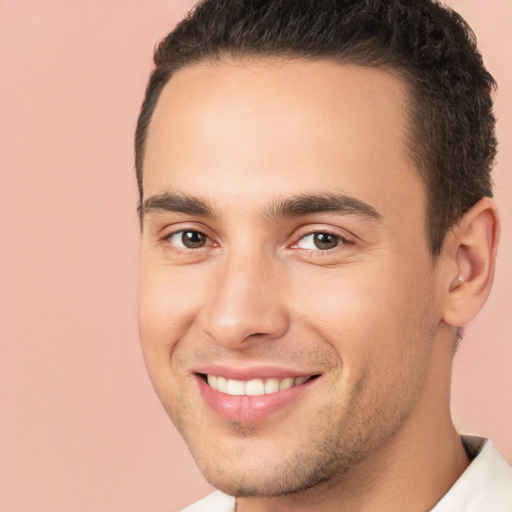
[{"x": 485, "y": 486}]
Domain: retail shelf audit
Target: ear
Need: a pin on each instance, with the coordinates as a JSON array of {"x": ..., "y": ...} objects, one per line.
[{"x": 470, "y": 253}]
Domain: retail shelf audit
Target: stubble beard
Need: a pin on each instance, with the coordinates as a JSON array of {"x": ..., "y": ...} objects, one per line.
[
  {"x": 323, "y": 461},
  {"x": 337, "y": 439}
]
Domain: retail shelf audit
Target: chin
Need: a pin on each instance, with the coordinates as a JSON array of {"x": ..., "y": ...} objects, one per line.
[
  {"x": 249, "y": 473},
  {"x": 267, "y": 485}
]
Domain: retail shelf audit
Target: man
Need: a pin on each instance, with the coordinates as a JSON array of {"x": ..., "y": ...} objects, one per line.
[{"x": 317, "y": 226}]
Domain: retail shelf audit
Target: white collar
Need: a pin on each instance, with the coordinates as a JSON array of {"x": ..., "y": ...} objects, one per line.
[{"x": 486, "y": 485}]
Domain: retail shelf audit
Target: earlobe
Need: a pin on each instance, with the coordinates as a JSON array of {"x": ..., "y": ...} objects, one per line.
[{"x": 470, "y": 248}]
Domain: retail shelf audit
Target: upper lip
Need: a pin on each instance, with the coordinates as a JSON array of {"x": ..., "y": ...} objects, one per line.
[{"x": 253, "y": 372}]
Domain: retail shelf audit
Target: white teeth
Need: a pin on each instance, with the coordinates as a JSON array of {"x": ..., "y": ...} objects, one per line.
[
  {"x": 235, "y": 387},
  {"x": 286, "y": 383},
  {"x": 271, "y": 386},
  {"x": 222, "y": 385},
  {"x": 254, "y": 387}
]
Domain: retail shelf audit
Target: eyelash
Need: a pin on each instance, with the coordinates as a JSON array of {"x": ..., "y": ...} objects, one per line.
[
  {"x": 343, "y": 240},
  {"x": 168, "y": 239}
]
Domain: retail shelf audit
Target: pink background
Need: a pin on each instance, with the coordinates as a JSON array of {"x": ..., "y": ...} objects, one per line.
[{"x": 80, "y": 427}]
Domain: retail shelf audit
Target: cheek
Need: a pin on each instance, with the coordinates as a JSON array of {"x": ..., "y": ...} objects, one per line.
[
  {"x": 366, "y": 313},
  {"x": 167, "y": 304},
  {"x": 157, "y": 319},
  {"x": 159, "y": 330}
]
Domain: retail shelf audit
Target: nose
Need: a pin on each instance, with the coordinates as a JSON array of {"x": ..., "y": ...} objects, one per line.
[{"x": 246, "y": 304}]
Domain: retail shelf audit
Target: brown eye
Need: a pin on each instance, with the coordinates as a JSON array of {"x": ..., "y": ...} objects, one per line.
[
  {"x": 319, "y": 240},
  {"x": 193, "y": 239},
  {"x": 325, "y": 241}
]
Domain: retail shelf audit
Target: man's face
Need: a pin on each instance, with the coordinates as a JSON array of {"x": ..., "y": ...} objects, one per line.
[{"x": 284, "y": 243}]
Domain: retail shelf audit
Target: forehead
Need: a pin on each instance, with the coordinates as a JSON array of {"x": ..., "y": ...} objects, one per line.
[{"x": 280, "y": 128}]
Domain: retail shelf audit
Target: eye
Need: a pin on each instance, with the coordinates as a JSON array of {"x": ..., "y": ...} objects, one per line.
[
  {"x": 188, "y": 239},
  {"x": 320, "y": 241}
]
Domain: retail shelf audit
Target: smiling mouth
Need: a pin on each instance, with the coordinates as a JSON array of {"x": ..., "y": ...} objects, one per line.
[{"x": 253, "y": 387}]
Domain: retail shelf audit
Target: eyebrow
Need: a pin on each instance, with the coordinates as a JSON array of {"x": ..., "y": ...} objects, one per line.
[
  {"x": 296, "y": 206},
  {"x": 168, "y": 202},
  {"x": 308, "y": 204}
]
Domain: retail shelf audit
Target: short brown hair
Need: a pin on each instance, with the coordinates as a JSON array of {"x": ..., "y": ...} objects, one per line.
[{"x": 452, "y": 136}]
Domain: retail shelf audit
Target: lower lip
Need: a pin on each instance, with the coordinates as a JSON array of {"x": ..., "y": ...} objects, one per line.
[{"x": 250, "y": 409}]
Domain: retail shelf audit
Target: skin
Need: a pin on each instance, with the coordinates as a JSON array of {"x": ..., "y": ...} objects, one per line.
[{"x": 374, "y": 316}]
